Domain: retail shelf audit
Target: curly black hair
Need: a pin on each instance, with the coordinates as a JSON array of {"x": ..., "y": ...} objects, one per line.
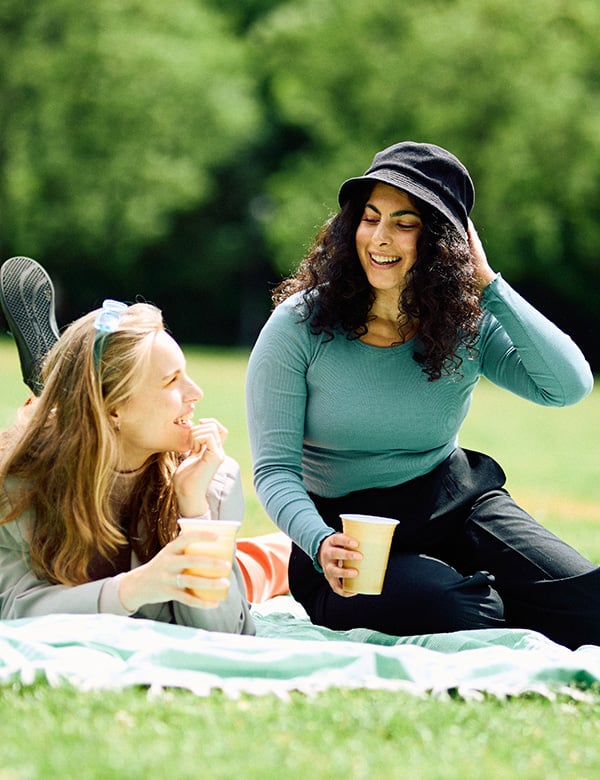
[{"x": 441, "y": 296}]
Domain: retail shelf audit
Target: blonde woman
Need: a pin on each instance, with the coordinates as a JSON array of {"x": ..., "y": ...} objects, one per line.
[{"x": 97, "y": 471}]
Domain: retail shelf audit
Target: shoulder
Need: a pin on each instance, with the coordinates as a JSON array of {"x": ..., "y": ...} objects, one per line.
[
  {"x": 288, "y": 325},
  {"x": 293, "y": 308}
]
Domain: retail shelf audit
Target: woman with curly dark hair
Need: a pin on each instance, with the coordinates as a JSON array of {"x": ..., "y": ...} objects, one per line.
[{"x": 356, "y": 391}]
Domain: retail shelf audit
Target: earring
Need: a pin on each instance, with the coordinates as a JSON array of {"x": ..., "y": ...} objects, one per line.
[{"x": 117, "y": 426}]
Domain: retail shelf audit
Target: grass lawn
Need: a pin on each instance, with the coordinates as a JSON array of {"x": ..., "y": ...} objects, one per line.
[{"x": 551, "y": 458}]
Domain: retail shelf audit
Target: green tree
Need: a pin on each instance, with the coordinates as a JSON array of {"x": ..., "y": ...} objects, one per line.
[
  {"x": 115, "y": 116},
  {"x": 188, "y": 152}
]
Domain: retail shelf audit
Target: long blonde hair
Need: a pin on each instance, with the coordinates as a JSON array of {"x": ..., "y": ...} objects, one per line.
[{"x": 63, "y": 454}]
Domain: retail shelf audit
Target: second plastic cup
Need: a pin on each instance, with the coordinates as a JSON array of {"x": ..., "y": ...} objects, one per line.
[
  {"x": 212, "y": 539},
  {"x": 374, "y": 535}
]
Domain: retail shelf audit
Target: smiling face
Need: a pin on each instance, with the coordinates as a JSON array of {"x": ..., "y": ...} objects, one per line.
[
  {"x": 158, "y": 417},
  {"x": 386, "y": 238}
]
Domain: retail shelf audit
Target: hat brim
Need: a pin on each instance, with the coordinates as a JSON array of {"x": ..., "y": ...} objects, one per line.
[{"x": 400, "y": 182}]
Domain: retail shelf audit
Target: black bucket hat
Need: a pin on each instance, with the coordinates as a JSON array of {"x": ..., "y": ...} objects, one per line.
[{"x": 426, "y": 171}]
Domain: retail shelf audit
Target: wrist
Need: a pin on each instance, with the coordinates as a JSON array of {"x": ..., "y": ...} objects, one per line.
[
  {"x": 204, "y": 516},
  {"x": 484, "y": 278},
  {"x": 126, "y": 591},
  {"x": 320, "y": 550},
  {"x": 194, "y": 511},
  {"x": 109, "y": 600}
]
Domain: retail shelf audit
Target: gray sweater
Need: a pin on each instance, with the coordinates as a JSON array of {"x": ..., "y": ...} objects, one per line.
[{"x": 22, "y": 594}]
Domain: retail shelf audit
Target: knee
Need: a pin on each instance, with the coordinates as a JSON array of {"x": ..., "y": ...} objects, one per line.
[
  {"x": 420, "y": 595},
  {"x": 454, "y": 604},
  {"x": 472, "y": 603}
]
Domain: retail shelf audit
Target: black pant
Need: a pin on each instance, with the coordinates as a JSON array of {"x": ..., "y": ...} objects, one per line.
[{"x": 463, "y": 556}]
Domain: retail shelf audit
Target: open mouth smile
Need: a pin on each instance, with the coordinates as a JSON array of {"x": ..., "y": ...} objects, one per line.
[
  {"x": 184, "y": 421},
  {"x": 382, "y": 260}
]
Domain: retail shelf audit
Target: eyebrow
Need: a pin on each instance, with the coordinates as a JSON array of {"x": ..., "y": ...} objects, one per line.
[{"x": 396, "y": 213}]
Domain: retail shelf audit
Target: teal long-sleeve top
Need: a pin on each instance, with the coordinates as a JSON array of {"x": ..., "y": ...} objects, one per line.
[{"x": 332, "y": 416}]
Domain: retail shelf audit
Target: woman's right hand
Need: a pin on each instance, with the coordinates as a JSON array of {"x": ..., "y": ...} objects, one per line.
[
  {"x": 163, "y": 578},
  {"x": 194, "y": 474},
  {"x": 334, "y": 550}
]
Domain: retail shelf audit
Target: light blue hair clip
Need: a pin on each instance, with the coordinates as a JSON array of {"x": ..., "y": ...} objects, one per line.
[{"x": 107, "y": 321}]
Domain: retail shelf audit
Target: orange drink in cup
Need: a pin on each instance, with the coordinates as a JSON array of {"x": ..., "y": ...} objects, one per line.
[
  {"x": 374, "y": 535},
  {"x": 210, "y": 539}
]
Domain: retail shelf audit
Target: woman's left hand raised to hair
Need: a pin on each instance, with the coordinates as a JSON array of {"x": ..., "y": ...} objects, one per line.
[
  {"x": 194, "y": 474},
  {"x": 483, "y": 270}
]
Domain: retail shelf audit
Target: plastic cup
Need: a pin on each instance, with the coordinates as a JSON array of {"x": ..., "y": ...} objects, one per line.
[
  {"x": 211, "y": 539},
  {"x": 374, "y": 535}
]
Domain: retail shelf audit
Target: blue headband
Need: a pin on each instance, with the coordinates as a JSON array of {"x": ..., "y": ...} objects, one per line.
[{"x": 106, "y": 322}]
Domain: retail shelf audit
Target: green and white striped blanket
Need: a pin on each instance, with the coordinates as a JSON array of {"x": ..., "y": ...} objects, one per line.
[{"x": 289, "y": 653}]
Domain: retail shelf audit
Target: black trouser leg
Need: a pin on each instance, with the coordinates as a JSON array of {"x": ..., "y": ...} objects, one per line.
[
  {"x": 456, "y": 525},
  {"x": 545, "y": 584},
  {"x": 420, "y": 595}
]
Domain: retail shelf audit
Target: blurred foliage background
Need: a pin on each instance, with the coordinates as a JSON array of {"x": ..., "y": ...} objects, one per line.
[{"x": 186, "y": 152}]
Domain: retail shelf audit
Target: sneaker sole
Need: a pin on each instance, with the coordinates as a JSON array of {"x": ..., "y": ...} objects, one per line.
[{"x": 27, "y": 300}]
